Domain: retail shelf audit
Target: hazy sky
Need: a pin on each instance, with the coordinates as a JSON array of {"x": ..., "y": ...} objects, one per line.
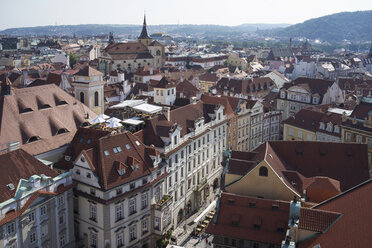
[{"x": 26, "y": 13}]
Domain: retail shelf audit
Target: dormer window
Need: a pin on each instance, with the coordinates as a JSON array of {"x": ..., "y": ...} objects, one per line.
[
  {"x": 322, "y": 126},
  {"x": 62, "y": 130},
  {"x": 121, "y": 172},
  {"x": 315, "y": 100},
  {"x": 329, "y": 127},
  {"x": 11, "y": 186},
  {"x": 336, "y": 129},
  {"x": 175, "y": 140}
]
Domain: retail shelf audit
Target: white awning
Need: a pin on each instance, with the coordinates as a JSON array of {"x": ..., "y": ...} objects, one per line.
[
  {"x": 209, "y": 208},
  {"x": 127, "y": 103},
  {"x": 133, "y": 122},
  {"x": 148, "y": 108}
]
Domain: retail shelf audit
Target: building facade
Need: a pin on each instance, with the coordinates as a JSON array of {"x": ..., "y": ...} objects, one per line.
[
  {"x": 119, "y": 194},
  {"x": 358, "y": 126},
  {"x": 306, "y": 92},
  {"x": 36, "y": 208},
  {"x": 191, "y": 139}
]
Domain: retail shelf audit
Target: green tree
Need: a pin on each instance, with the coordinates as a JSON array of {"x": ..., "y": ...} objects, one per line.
[{"x": 73, "y": 59}]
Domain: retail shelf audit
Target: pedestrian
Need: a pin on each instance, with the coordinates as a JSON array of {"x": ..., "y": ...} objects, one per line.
[{"x": 206, "y": 241}]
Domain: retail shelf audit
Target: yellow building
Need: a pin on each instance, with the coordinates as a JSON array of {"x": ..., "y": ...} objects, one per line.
[
  {"x": 207, "y": 81},
  {"x": 88, "y": 88},
  {"x": 296, "y": 133},
  {"x": 358, "y": 126}
]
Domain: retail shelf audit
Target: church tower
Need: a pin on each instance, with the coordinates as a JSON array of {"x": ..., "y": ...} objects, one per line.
[
  {"x": 144, "y": 37},
  {"x": 88, "y": 88}
]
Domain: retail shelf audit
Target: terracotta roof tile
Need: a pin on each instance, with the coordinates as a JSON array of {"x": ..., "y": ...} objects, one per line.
[{"x": 18, "y": 165}]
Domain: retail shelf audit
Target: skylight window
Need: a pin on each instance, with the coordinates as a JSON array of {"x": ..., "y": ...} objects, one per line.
[
  {"x": 81, "y": 140},
  {"x": 115, "y": 150},
  {"x": 106, "y": 152},
  {"x": 89, "y": 141},
  {"x": 11, "y": 186},
  {"x": 127, "y": 146},
  {"x": 137, "y": 142},
  {"x": 119, "y": 149}
]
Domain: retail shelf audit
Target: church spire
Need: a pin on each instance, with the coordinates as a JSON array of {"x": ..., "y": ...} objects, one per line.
[{"x": 144, "y": 34}]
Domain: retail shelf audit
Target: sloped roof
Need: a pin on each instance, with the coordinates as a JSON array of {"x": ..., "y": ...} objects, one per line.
[
  {"x": 88, "y": 71},
  {"x": 353, "y": 229},
  {"x": 310, "y": 120},
  {"x": 18, "y": 165},
  {"x": 235, "y": 208},
  {"x": 133, "y": 153},
  {"x": 317, "y": 220},
  {"x": 34, "y": 112},
  {"x": 183, "y": 116},
  {"x": 187, "y": 89},
  {"x": 344, "y": 162},
  {"x": 313, "y": 85}
]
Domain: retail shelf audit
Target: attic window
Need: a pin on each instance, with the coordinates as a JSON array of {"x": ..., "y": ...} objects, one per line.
[
  {"x": 137, "y": 142},
  {"x": 62, "y": 130},
  {"x": 85, "y": 124},
  {"x": 11, "y": 186},
  {"x": 26, "y": 110},
  {"x": 33, "y": 138},
  {"x": 45, "y": 106},
  {"x": 121, "y": 172},
  {"x": 106, "y": 152},
  {"x": 61, "y": 102},
  {"x": 127, "y": 146}
]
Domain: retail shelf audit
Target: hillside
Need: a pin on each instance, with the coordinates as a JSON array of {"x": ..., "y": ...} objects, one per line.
[
  {"x": 354, "y": 26},
  {"x": 104, "y": 29}
]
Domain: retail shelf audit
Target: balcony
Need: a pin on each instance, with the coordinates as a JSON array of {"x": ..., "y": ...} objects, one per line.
[
  {"x": 201, "y": 184},
  {"x": 163, "y": 203}
]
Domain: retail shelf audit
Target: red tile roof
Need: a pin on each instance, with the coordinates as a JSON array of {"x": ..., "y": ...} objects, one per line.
[
  {"x": 134, "y": 152},
  {"x": 18, "y": 165},
  {"x": 309, "y": 119},
  {"x": 353, "y": 229},
  {"x": 37, "y": 112},
  {"x": 272, "y": 222},
  {"x": 317, "y": 220}
]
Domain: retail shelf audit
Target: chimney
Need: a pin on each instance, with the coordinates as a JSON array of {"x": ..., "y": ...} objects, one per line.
[
  {"x": 166, "y": 112},
  {"x": 182, "y": 76},
  {"x": 6, "y": 89}
]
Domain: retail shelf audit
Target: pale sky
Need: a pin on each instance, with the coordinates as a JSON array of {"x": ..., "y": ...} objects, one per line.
[{"x": 26, "y": 13}]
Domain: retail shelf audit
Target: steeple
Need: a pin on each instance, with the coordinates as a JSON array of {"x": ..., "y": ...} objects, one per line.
[
  {"x": 144, "y": 34},
  {"x": 111, "y": 38}
]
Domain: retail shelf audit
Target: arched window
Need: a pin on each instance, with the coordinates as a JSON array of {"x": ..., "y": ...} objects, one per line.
[
  {"x": 263, "y": 171},
  {"x": 82, "y": 97},
  {"x": 96, "y": 100}
]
